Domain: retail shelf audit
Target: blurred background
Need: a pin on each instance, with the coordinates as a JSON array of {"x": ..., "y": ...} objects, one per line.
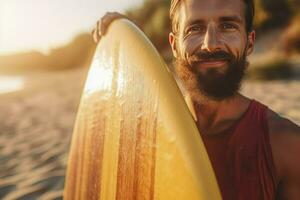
[{"x": 45, "y": 52}]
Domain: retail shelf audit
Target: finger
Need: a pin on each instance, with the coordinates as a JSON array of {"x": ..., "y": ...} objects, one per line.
[
  {"x": 106, "y": 21},
  {"x": 95, "y": 37},
  {"x": 98, "y": 31},
  {"x": 118, "y": 15},
  {"x": 103, "y": 26}
]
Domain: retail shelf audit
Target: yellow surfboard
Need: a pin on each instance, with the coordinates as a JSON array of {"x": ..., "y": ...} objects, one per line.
[{"x": 134, "y": 137}]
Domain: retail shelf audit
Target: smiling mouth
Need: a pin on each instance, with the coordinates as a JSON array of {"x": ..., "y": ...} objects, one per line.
[{"x": 212, "y": 63}]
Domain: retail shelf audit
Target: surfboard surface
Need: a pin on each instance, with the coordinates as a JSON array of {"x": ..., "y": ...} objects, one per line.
[{"x": 134, "y": 137}]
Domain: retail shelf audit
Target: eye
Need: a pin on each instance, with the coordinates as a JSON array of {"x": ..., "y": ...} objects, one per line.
[
  {"x": 228, "y": 26},
  {"x": 196, "y": 28}
]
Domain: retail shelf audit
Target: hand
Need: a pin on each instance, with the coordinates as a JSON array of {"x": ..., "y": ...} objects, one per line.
[{"x": 103, "y": 24}]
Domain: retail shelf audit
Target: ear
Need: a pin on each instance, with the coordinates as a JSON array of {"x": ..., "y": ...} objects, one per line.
[
  {"x": 172, "y": 41},
  {"x": 251, "y": 40}
]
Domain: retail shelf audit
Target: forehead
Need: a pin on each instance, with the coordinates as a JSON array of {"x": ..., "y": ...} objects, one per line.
[{"x": 209, "y": 9}]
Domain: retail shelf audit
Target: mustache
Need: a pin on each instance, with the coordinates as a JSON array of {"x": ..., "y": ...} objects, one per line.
[{"x": 206, "y": 56}]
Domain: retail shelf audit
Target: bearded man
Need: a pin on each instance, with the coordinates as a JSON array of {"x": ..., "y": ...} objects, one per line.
[{"x": 254, "y": 151}]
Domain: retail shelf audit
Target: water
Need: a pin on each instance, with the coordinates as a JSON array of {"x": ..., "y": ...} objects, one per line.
[{"x": 11, "y": 84}]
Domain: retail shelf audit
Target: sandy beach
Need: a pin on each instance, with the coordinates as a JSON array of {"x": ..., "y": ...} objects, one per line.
[{"x": 36, "y": 126}]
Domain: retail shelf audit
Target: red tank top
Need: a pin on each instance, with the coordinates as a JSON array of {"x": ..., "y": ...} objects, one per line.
[{"x": 242, "y": 157}]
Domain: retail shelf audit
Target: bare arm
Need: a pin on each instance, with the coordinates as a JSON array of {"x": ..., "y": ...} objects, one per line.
[{"x": 285, "y": 143}]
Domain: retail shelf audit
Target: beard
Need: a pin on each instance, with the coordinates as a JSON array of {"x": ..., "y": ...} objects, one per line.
[{"x": 212, "y": 83}]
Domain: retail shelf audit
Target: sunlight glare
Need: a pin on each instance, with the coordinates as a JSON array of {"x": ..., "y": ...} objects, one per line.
[
  {"x": 10, "y": 84},
  {"x": 100, "y": 77}
]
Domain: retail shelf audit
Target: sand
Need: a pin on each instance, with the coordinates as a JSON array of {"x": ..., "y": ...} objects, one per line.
[{"x": 36, "y": 126}]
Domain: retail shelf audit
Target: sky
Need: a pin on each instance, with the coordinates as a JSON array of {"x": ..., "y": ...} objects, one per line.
[{"x": 27, "y": 25}]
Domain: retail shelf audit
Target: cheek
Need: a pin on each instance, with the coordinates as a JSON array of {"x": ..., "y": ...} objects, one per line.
[
  {"x": 191, "y": 44},
  {"x": 235, "y": 44}
]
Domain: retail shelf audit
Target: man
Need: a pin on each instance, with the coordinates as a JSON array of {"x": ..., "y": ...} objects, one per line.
[{"x": 255, "y": 153}]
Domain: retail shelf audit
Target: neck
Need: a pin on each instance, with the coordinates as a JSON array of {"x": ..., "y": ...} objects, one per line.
[{"x": 216, "y": 116}]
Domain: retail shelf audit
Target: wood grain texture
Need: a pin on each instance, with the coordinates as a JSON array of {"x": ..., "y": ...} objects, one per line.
[{"x": 134, "y": 138}]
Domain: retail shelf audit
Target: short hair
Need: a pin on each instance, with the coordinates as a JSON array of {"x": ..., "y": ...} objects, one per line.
[{"x": 249, "y": 14}]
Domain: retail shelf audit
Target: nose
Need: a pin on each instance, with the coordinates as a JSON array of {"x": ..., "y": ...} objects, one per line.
[{"x": 211, "y": 41}]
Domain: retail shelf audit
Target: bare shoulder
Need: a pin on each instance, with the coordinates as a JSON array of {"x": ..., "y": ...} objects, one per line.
[
  {"x": 281, "y": 126},
  {"x": 285, "y": 144},
  {"x": 284, "y": 134},
  {"x": 284, "y": 137}
]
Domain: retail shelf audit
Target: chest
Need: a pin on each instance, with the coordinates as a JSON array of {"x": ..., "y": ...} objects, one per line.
[{"x": 240, "y": 164}]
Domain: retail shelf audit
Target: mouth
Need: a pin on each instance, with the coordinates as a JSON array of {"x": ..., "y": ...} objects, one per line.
[{"x": 212, "y": 63}]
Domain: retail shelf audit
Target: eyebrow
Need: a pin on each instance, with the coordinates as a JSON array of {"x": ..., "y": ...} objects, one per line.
[
  {"x": 231, "y": 18},
  {"x": 196, "y": 21}
]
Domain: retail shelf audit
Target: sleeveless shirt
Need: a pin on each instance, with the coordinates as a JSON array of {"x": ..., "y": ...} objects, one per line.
[{"x": 242, "y": 158}]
